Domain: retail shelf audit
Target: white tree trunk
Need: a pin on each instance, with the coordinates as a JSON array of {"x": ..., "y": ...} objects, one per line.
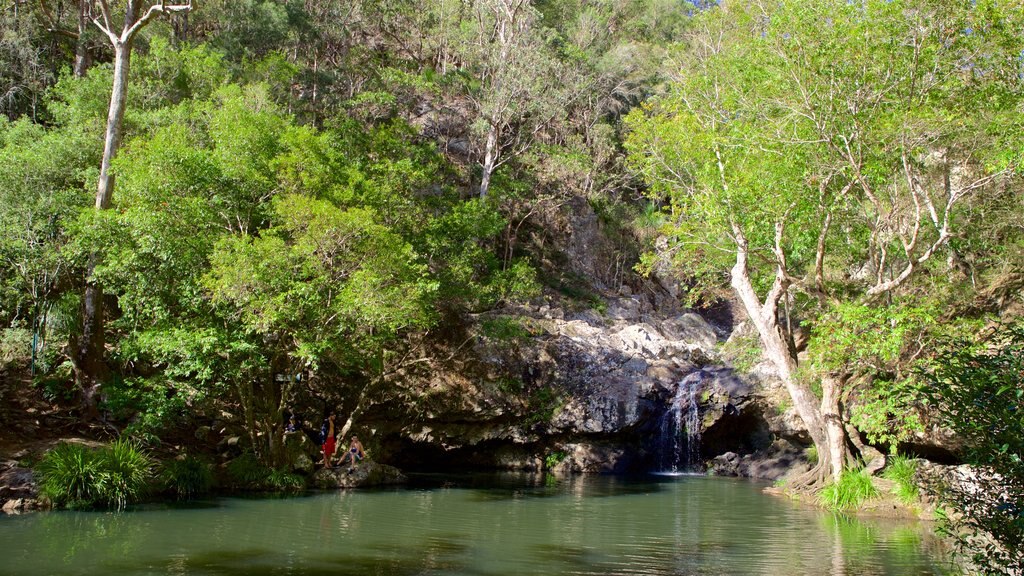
[
  {"x": 835, "y": 431},
  {"x": 777, "y": 350},
  {"x": 115, "y": 118},
  {"x": 490, "y": 159}
]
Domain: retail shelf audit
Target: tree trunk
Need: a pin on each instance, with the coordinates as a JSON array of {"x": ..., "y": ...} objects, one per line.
[
  {"x": 90, "y": 367},
  {"x": 115, "y": 118},
  {"x": 831, "y": 390},
  {"x": 490, "y": 159},
  {"x": 83, "y": 59},
  {"x": 777, "y": 349}
]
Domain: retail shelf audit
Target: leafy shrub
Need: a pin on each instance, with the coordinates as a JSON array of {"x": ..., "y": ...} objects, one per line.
[
  {"x": 284, "y": 481},
  {"x": 75, "y": 476},
  {"x": 129, "y": 470},
  {"x": 975, "y": 389},
  {"x": 186, "y": 477},
  {"x": 853, "y": 489},
  {"x": 70, "y": 476},
  {"x": 554, "y": 459},
  {"x": 901, "y": 470},
  {"x": 247, "y": 472},
  {"x": 504, "y": 328}
]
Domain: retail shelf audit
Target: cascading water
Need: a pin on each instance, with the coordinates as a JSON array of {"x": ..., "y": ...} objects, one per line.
[{"x": 679, "y": 442}]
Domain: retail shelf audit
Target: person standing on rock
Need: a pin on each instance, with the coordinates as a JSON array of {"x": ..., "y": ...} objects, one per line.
[{"x": 327, "y": 433}]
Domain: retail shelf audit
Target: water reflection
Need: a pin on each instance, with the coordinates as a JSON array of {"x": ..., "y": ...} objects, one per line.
[{"x": 477, "y": 525}]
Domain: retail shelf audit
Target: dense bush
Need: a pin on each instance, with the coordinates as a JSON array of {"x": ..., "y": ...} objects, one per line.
[
  {"x": 975, "y": 387},
  {"x": 186, "y": 477},
  {"x": 248, "y": 473},
  {"x": 75, "y": 476},
  {"x": 283, "y": 481}
]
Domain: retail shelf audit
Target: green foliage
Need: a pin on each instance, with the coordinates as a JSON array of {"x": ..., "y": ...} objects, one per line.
[
  {"x": 505, "y": 328},
  {"x": 186, "y": 477},
  {"x": 544, "y": 404},
  {"x": 850, "y": 492},
  {"x": 75, "y": 476},
  {"x": 247, "y": 472},
  {"x": 128, "y": 469},
  {"x": 15, "y": 347},
  {"x": 743, "y": 351},
  {"x": 975, "y": 389},
  {"x": 554, "y": 459},
  {"x": 902, "y": 470},
  {"x": 887, "y": 412},
  {"x": 279, "y": 480}
]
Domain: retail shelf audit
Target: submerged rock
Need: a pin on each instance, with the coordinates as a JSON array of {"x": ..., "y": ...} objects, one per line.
[{"x": 367, "y": 473}]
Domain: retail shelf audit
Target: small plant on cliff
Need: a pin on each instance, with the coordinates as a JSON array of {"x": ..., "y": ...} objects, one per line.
[
  {"x": 850, "y": 492},
  {"x": 186, "y": 477},
  {"x": 505, "y": 328},
  {"x": 75, "y": 476},
  {"x": 554, "y": 459}
]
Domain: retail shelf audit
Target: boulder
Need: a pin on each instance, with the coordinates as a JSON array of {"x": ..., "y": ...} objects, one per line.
[
  {"x": 367, "y": 473},
  {"x": 18, "y": 490},
  {"x": 21, "y": 506},
  {"x": 725, "y": 465}
]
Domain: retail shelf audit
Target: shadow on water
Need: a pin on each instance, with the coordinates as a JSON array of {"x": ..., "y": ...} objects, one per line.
[
  {"x": 496, "y": 487},
  {"x": 437, "y": 555}
]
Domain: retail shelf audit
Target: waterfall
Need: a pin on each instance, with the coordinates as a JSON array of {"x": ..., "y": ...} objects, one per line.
[{"x": 679, "y": 430}]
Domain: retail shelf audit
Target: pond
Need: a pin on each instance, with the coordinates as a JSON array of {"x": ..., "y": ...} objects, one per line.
[{"x": 477, "y": 525}]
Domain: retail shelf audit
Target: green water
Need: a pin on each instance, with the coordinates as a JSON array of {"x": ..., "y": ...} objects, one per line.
[{"x": 479, "y": 526}]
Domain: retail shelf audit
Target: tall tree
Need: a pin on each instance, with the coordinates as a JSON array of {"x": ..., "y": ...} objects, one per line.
[
  {"x": 829, "y": 161},
  {"x": 519, "y": 91},
  {"x": 88, "y": 350}
]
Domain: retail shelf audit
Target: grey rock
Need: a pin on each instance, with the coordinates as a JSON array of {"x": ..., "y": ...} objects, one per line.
[
  {"x": 21, "y": 506},
  {"x": 366, "y": 473}
]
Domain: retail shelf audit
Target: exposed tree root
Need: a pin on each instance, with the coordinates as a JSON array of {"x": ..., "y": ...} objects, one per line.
[{"x": 810, "y": 481}]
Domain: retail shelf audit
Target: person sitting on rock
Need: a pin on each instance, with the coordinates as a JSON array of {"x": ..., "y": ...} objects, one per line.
[{"x": 355, "y": 453}]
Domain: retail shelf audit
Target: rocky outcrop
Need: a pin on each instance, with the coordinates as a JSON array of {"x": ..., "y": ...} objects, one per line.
[
  {"x": 367, "y": 473},
  {"x": 18, "y": 490},
  {"x": 585, "y": 391}
]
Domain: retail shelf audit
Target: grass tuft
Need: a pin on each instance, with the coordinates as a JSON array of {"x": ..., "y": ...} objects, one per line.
[
  {"x": 901, "y": 470},
  {"x": 850, "y": 492},
  {"x": 75, "y": 476}
]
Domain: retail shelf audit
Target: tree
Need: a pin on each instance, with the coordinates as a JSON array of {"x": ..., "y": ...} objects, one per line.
[
  {"x": 83, "y": 57},
  {"x": 88, "y": 350},
  {"x": 827, "y": 162},
  {"x": 324, "y": 289},
  {"x": 519, "y": 92}
]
